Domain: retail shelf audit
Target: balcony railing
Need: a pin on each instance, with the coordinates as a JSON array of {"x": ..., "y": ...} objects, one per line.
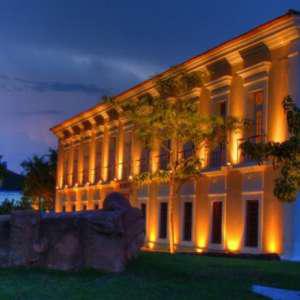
[
  {"x": 254, "y": 139},
  {"x": 164, "y": 160},
  {"x": 217, "y": 157}
]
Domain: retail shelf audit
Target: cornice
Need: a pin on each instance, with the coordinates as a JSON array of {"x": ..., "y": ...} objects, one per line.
[
  {"x": 262, "y": 67},
  {"x": 275, "y": 33},
  {"x": 221, "y": 82}
]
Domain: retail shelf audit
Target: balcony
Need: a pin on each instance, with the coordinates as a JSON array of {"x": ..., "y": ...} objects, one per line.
[
  {"x": 217, "y": 157},
  {"x": 256, "y": 139},
  {"x": 164, "y": 160}
]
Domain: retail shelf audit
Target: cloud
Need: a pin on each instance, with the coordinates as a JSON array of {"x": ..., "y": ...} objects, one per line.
[
  {"x": 49, "y": 112},
  {"x": 20, "y": 84},
  {"x": 139, "y": 69}
]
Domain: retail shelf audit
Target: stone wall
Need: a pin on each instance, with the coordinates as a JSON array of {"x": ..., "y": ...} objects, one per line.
[{"x": 104, "y": 239}]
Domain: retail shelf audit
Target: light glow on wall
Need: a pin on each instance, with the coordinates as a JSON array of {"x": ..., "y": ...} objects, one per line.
[
  {"x": 202, "y": 241},
  {"x": 233, "y": 245},
  {"x": 235, "y": 143}
]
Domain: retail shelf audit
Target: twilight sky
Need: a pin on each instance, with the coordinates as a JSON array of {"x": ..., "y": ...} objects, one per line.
[{"x": 58, "y": 57}]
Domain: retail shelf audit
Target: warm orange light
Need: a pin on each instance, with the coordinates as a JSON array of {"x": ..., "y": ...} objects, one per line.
[
  {"x": 233, "y": 245},
  {"x": 235, "y": 151},
  {"x": 199, "y": 250},
  {"x": 120, "y": 170},
  {"x": 151, "y": 245},
  {"x": 152, "y": 236},
  {"x": 272, "y": 247},
  {"x": 202, "y": 242}
]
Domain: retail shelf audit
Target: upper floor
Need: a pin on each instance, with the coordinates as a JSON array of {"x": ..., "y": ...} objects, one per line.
[{"x": 249, "y": 77}]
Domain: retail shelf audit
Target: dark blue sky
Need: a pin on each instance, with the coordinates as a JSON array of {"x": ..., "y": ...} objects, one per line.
[{"x": 58, "y": 57}]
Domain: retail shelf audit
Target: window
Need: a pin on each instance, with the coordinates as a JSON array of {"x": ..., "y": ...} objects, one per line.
[
  {"x": 188, "y": 149},
  {"x": 216, "y": 232},
  {"x": 75, "y": 165},
  {"x": 164, "y": 155},
  {"x": 84, "y": 207},
  {"x": 252, "y": 223},
  {"x": 258, "y": 113},
  {"x": 96, "y": 206},
  {"x": 112, "y": 157},
  {"x": 98, "y": 162},
  {"x": 188, "y": 221},
  {"x": 163, "y": 220},
  {"x": 145, "y": 160},
  {"x": 144, "y": 213},
  {"x": 143, "y": 209},
  {"x": 126, "y": 168},
  {"x": 218, "y": 154},
  {"x": 66, "y": 167},
  {"x": 73, "y": 207},
  {"x": 85, "y": 162},
  {"x": 63, "y": 208},
  {"x": 222, "y": 109}
]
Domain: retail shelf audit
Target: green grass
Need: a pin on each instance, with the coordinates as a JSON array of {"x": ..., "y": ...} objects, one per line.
[{"x": 154, "y": 276}]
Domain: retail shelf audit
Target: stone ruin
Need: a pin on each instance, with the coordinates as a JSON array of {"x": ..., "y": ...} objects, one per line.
[{"x": 104, "y": 239}]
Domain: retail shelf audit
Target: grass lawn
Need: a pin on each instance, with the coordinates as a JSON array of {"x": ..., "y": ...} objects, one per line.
[{"x": 154, "y": 276}]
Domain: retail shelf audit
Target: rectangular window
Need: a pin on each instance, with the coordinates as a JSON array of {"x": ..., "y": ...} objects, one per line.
[
  {"x": 188, "y": 221},
  {"x": 163, "y": 220},
  {"x": 75, "y": 165},
  {"x": 96, "y": 206},
  {"x": 126, "y": 168},
  {"x": 84, "y": 207},
  {"x": 188, "y": 149},
  {"x": 98, "y": 162},
  {"x": 252, "y": 223},
  {"x": 144, "y": 213},
  {"x": 216, "y": 232},
  {"x": 112, "y": 157},
  {"x": 256, "y": 114},
  {"x": 223, "y": 109},
  {"x": 73, "y": 207},
  {"x": 145, "y": 160},
  {"x": 218, "y": 155},
  {"x": 86, "y": 156},
  {"x": 66, "y": 167},
  {"x": 164, "y": 155}
]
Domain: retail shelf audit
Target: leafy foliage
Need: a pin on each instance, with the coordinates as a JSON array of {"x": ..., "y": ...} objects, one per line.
[
  {"x": 285, "y": 156},
  {"x": 7, "y": 206},
  {"x": 174, "y": 117},
  {"x": 40, "y": 178},
  {"x": 180, "y": 84}
]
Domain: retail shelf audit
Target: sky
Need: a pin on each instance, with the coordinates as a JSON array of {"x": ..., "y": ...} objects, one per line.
[{"x": 59, "y": 57}]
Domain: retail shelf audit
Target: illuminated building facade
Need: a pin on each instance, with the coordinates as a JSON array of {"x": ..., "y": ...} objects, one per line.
[{"x": 232, "y": 206}]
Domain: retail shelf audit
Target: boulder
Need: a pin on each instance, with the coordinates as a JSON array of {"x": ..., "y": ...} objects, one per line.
[{"x": 103, "y": 239}]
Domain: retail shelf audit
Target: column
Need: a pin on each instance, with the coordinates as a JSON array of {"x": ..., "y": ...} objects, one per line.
[
  {"x": 235, "y": 105},
  {"x": 105, "y": 148},
  {"x": 234, "y": 212},
  {"x": 120, "y": 151},
  {"x": 92, "y": 154}
]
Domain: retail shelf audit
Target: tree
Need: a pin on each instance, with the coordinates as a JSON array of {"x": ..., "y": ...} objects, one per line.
[
  {"x": 173, "y": 119},
  {"x": 3, "y": 168},
  {"x": 285, "y": 156},
  {"x": 40, "y": 178}
]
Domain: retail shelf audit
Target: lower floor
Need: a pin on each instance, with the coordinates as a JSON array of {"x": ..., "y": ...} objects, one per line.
[{"x": 228, "y": 210}]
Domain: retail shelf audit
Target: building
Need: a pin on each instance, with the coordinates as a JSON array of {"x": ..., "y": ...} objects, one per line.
[{"x": 232, "y": 207}]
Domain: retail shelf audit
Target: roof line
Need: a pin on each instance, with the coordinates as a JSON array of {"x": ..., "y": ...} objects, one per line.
[{"x": 250, "y": 32}]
